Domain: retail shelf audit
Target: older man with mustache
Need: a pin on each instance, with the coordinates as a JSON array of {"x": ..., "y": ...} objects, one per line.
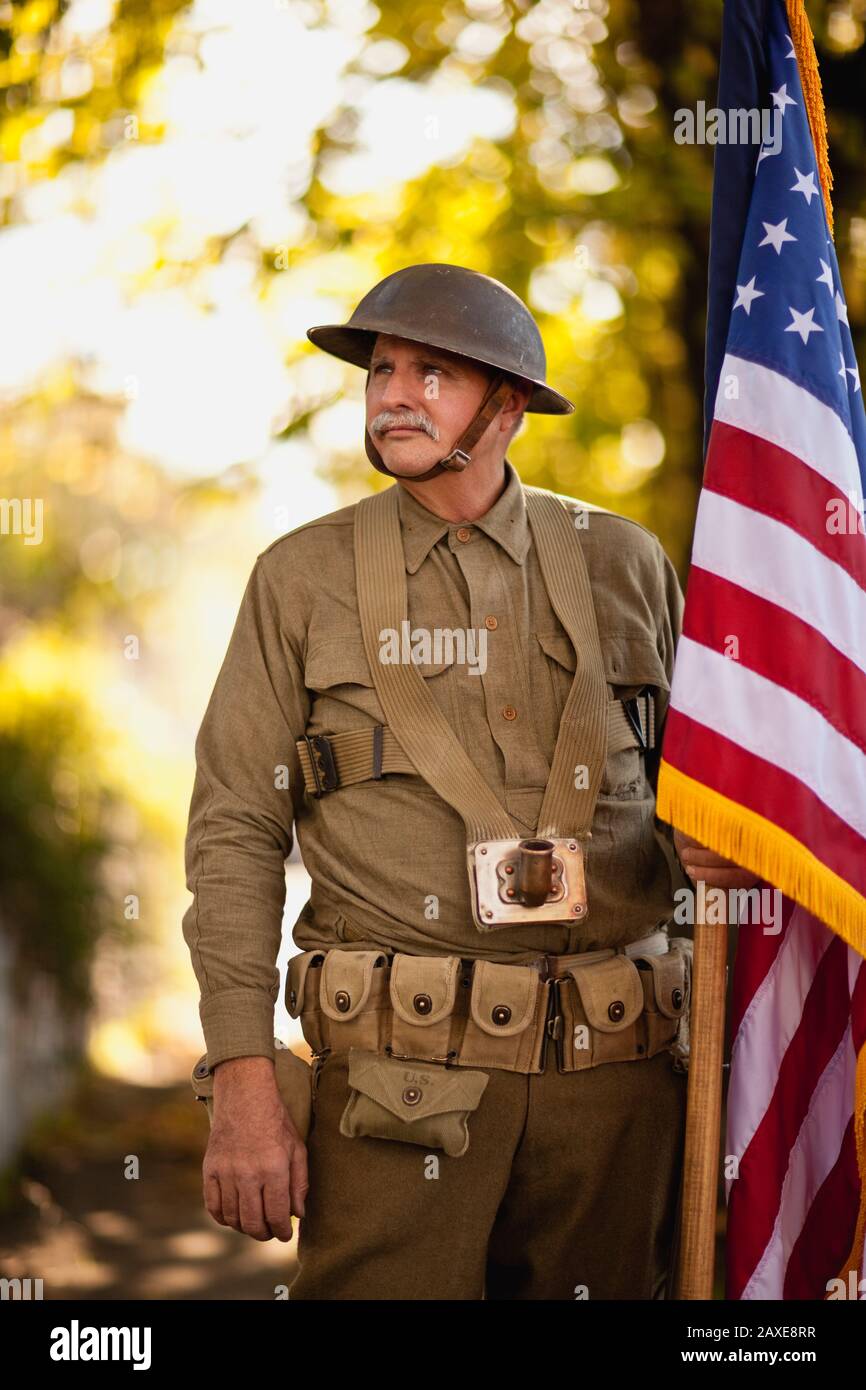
[{"x": 496, "y": 1009}]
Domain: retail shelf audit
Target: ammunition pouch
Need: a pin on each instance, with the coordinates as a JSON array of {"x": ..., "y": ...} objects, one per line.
[
  {"x": 294, "y": 1083},
  {"x": 601, "y": 1006}
]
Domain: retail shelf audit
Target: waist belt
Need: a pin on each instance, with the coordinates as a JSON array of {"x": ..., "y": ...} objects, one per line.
[
  {"x": 601, "y": 1006},
  {"x": 329, "y": 761}
]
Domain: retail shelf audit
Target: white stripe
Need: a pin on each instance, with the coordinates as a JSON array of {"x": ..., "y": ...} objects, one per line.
[
  {"x": 772, "y": 723},
  {"x": 769, "y": 559},
  {"x": 775, "y": 409},
  {"x": 812, "y": 1157},
  {"x": 767, "y": 1027},
  {"x": 855, "y": 961}
]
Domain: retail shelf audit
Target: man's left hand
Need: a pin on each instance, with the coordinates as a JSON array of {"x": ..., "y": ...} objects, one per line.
[{"x": 717, "y": 872}]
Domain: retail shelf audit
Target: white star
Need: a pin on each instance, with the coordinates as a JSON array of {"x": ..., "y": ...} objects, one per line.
[
  {"x": 776, "y": 234},
  {"x": 781, "y": 98},
  {"x": 841, "y": 308},
  {"x": 793, "y": 53},
  {"x": 805, "y": 184},
  {"x": 855, "y": 372},
  {"x": 843, "y": 369},
  {"x": 745, "y": 295},
  {"x": 802, "y": 323},
  {"x": 826, "y": 276}
]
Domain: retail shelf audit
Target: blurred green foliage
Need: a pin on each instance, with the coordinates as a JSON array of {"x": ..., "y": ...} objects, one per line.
[{"x": 54, "y": 837}]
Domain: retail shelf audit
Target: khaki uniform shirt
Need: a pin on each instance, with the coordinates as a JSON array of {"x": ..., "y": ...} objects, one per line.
[{"x": 387, "y": 859}]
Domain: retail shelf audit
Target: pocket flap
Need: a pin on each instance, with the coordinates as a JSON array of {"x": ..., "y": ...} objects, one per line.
[
  {"x": 296, "y": 979},
  {"x": 337, "y": 661},
  {"x": 423, "y": 987},
  {"x": 346, "y": 980},
  {"x": 610, "y": 991},
  {"x": 559, "y": 648},
  {"x": 343, "y": 661},
  {"x": 633, "y": 662},
  {"x": 503, "y": 997},
  {"x": 670, "y": 986},
  {"x": 412, "y": 1091}
]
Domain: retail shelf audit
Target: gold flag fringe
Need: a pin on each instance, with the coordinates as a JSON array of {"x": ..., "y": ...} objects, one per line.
[
  {"x": 757, "y": 844},
  {"x": 807, "y": 61}
]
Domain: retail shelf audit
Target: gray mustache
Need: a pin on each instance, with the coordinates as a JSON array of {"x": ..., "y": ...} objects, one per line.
[{"x": 388, "y": 419}]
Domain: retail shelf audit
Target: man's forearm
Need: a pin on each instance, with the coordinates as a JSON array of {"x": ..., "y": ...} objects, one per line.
[{"x": 246, "y": 1073}]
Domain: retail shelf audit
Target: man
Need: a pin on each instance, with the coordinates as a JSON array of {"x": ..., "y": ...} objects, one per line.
[{"x": 487, "y": 984}]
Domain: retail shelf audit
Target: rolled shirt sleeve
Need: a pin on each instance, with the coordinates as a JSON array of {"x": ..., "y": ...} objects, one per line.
[{"x": 246, "y": 793}]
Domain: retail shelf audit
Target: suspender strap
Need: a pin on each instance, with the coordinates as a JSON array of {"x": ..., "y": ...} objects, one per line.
[
  {"x": 329, "y": 761},
  {"x": 568, "y": 809},
  {"x": 415, "y": 720}
]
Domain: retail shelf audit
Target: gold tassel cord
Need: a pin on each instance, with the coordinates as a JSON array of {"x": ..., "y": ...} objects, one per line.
[{"x": 807, "y": 61}]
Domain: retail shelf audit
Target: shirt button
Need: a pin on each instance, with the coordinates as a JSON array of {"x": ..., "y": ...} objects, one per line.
[
  {"x": 509, "y": 712},
  {"x": 491, "y": 622},
  {"x": 463, "y": 533}
]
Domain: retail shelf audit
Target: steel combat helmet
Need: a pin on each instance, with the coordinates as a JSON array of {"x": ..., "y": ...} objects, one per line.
[{"x": 460, "y": 311}]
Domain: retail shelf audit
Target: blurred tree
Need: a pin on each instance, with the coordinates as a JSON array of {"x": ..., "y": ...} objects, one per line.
[
  {"x": 70, "y": 83},
  {"x": 589, "y": 210}
]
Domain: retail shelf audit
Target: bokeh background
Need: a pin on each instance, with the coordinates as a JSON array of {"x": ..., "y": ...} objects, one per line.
[{"x": 184, "y": 189}]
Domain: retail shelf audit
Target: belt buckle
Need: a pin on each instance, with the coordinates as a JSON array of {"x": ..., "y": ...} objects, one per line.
[
  {"x": 553, "y": 1025},
  {"x": 496, "y": 871},
  {"x": 633, "y": 715},
  {"x": 322, "y": 761}
]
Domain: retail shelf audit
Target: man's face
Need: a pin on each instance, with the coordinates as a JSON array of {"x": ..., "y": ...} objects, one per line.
[{"x": 420, "y": 400}]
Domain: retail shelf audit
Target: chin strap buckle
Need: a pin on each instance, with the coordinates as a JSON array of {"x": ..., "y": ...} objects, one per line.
[{"x": 461, "y": 457}]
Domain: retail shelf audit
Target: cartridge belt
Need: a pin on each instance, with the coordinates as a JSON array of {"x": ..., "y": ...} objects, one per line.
[
  {"x": 600, "y": 1006},
  {"x": 331, "y": 761}
]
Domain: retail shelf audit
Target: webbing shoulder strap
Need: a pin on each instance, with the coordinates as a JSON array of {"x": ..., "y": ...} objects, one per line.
[
  {"x": 413, "y": 714},
  {"x": 568, "y": 809}
]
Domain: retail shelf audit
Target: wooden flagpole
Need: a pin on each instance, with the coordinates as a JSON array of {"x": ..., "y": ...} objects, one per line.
[{"x": 696, "y": 1255}]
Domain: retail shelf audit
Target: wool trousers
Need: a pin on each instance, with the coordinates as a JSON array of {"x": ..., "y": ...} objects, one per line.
[{"x": 568, "y": 1190}]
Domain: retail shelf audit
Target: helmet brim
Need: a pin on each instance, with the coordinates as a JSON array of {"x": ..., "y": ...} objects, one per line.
[{"x": 355, "y": 345}]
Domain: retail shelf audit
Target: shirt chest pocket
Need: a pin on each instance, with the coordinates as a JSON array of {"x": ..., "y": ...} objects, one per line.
[
  {"x": 337, "y": 675},
  {"x": 631, "y": 664}
]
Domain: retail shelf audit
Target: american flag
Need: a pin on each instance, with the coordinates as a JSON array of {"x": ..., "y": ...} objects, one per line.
[{"x": 764, "y": 755}]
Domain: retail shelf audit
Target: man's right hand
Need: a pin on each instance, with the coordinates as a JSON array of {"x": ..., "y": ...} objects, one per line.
[{"x": 255, "y": 1167}]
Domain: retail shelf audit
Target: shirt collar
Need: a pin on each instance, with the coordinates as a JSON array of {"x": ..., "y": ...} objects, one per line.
[{"x": 506, "y": 523}]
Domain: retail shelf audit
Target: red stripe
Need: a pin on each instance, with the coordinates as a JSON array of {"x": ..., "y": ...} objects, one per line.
[
  {"x": 768, "y": 479},
  {"x": 858, "y": 1009},
  {"x": 780, "y": 646},
  {"x": 824, "y": 1242},
  {"x": 783, "y": 799},
  {"x": 752, "y": 964},
  {"x": 756, "y": 1191}
]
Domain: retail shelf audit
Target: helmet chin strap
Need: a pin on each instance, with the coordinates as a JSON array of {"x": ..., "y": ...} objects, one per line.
[{"x": 460, "y": 456}]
